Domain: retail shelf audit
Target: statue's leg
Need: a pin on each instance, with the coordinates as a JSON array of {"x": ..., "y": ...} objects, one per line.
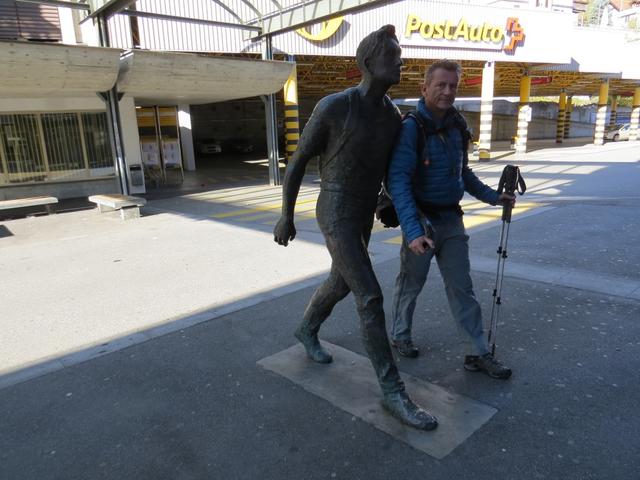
[
  {"x": 348, "y": 248},
  {"x": 332, "y": 290}
]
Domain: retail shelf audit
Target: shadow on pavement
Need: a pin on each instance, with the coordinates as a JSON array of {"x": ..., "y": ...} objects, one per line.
[{"x": 193, "y": 403}]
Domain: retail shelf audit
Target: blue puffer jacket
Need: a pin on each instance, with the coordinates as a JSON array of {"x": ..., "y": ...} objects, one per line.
[{"x": 441, "y": 182}]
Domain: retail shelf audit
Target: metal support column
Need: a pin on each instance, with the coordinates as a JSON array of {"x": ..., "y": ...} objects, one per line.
[
  {"x": 486, "y": 111},
  {"x": 291, "y": 114},
  {"x": 562, "y": 105},
  {"x": 186, "y": 137},
  {"x": 112, "y": 98},
  {"x": 567, "y": 116},
  {"x": 524, "y": 111},
  {"x": 4, "y": 177},
  {"x": 601, "y": 116},
  {"x": 634, "y": 134},
  {"x": 613, "y": 116},
  {"x": 271, "y": 121}
]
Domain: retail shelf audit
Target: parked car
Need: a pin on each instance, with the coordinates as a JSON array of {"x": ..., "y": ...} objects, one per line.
[
  {"x": 241, "y": 145},
  {"x": 209, "y": 146},
  {"x": 618, "y": 132}
]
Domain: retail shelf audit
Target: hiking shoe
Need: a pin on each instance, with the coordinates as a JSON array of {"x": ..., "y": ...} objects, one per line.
[
  {"x": 487, "y": 364},
  {"x": 406, "y": 348}
]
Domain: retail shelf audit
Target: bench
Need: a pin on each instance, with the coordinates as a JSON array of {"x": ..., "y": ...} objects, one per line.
[
  {"x": 29, "y": 202},
  {"x": 128, "y": 206}
]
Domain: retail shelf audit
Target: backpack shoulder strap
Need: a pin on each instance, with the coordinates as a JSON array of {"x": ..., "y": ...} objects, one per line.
[
  {"x": 461, "y": 124},
  {"x": 413, "y": 115}
]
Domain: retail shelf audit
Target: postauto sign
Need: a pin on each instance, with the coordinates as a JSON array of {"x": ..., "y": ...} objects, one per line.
[
  {"x": 435, "y": 29},
  {"x": 464, "y": 33}
]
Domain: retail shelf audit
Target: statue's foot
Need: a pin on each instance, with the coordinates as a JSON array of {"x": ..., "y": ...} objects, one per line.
[
  {"x": 312, "y": 345},
  {"x": 400, "y": 406}
]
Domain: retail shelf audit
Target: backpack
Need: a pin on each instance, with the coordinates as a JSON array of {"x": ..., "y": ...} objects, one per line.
[{"x": 385, "y": 211}]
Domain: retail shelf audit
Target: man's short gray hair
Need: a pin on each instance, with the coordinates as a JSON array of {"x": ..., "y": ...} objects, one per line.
[{"x": 444, "y": 64}]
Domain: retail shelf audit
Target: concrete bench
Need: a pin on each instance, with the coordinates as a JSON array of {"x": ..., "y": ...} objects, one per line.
[
  {"x": 29, "y": 202},
  {"x": 128, "y": 206}
]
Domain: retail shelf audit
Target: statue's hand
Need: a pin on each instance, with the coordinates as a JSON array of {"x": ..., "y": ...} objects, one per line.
[{"x": 284, "y": 231}]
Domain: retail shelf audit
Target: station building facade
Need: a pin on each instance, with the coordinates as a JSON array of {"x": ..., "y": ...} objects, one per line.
[{"x": 54, "y": 130}]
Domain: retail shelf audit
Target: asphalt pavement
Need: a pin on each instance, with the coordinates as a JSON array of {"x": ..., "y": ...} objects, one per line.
[{"x": 187, "y": 396}]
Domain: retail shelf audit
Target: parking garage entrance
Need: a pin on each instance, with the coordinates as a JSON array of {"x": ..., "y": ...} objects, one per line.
[{"x": 160, "y": 145}]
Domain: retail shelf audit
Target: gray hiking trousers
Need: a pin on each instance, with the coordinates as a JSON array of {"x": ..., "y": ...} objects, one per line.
[{"x": 452, "y": 255}]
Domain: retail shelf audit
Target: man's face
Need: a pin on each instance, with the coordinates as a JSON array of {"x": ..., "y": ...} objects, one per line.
[
  {"x": 440, "y": 93},
  {"x": 387, "y": 64}
]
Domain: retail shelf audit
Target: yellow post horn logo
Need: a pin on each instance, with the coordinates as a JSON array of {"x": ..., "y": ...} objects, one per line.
[{"x": 329, "y": 27}]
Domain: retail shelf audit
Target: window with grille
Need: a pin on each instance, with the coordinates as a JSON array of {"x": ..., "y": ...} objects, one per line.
[
  {"x": 96, "y": 138},
  {"x": 21, "y": 149},
  {"x": 54, "y": 146},
  {"x": 62, "y": 140}
]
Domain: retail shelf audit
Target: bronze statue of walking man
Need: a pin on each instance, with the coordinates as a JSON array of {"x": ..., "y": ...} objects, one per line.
[{"x": 353, "y": 133}]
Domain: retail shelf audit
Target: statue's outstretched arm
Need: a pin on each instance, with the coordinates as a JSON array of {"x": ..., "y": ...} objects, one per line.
[{"x": 312, "y": 143}]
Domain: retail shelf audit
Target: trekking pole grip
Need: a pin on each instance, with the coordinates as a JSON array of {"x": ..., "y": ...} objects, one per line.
[
  {"x": 509, "y": 183},
  {"x": 507, "y": 208}
]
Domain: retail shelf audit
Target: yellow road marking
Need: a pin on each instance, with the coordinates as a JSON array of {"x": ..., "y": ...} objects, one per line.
[
  {"x": 487, "y": 215},
  {"x": 394, "y": 240},
  {"x": 378, "y": 227},
  {"x": 307, "y": 216},
  {"x": 308, "y": 208},
  {"x": 256, "y": 209},
  {"x": 471, "y": 221},
  {"x": 260, "y": 216},
  {"x": 297, "y": 218}
]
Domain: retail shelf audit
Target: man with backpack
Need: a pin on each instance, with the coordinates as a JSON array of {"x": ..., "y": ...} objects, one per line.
[{"x": 427, "y": 177}]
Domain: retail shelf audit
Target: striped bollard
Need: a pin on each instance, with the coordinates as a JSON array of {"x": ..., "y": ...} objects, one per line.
[
  {"x": 291, "y": 114},
  {"x": 601, "y": 116},
  {"x": 634, "y": 134},
  {"x": 486, "y": 112},
  {"x": 561, "y": 113}
]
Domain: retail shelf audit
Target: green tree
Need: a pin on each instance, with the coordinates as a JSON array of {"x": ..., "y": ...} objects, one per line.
[{"x": 594, "y": 11}]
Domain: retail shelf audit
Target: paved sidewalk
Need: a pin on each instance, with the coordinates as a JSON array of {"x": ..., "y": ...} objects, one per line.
[
  {"x": 194, "y": 404},
  {"x": 109, "y": 284},
  {"x": 198, "y": 294}
]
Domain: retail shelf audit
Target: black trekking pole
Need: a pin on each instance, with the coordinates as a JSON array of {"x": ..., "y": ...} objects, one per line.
[{"x": 510, "y": 182}]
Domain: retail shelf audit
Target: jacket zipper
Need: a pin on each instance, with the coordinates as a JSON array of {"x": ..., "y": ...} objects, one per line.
[{"x": 453, "y": 168}]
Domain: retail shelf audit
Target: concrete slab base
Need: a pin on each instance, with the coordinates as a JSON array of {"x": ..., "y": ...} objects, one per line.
[{"x": 350, "y": 384}]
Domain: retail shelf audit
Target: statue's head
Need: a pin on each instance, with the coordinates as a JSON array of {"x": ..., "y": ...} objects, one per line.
[{"x": 378, "y": 56}]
